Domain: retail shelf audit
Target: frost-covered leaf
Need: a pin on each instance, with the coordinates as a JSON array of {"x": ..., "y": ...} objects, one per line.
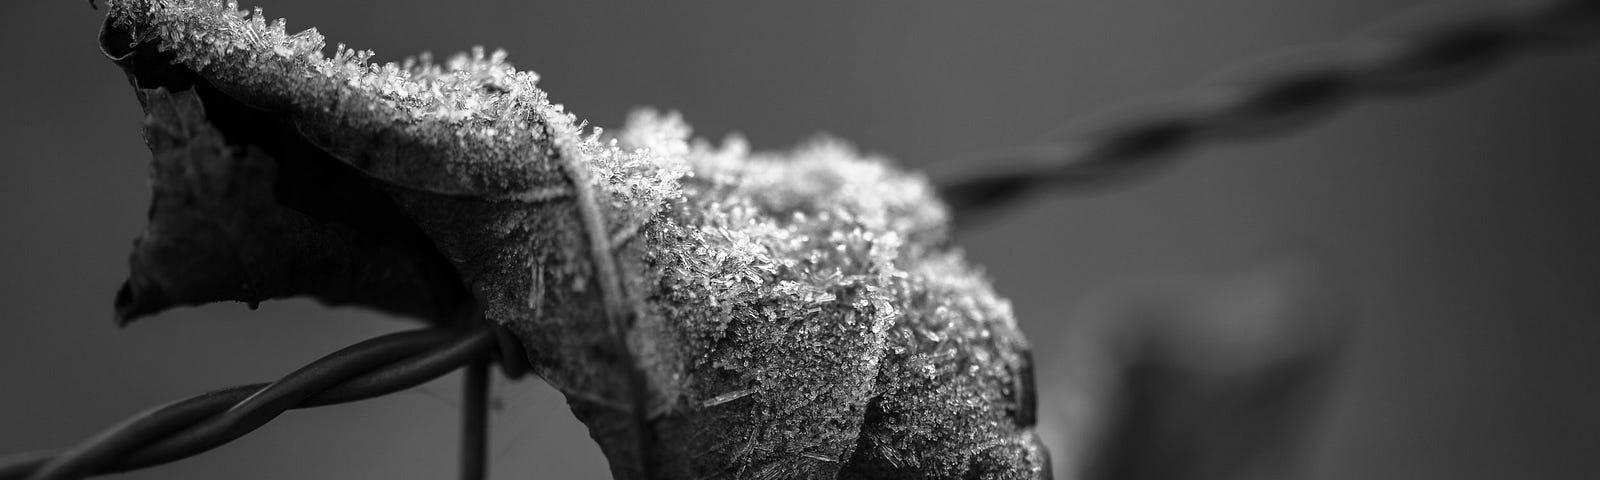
[{"x": 708, "y": 311}]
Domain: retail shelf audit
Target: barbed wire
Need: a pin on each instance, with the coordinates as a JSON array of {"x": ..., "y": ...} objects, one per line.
[
  {"x": 368, "y": 369},
  {"x": 1292, "y": 89},
  {"x": 1296, "y": 89}
]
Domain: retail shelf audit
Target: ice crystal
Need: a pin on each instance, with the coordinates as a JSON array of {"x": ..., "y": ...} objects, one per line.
[{"x": 206, "y": 32}]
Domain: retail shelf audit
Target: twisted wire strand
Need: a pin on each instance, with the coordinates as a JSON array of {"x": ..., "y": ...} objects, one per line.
[
  {"x": 187, "y": 427},
  {"x": 1293, "y": 90}
]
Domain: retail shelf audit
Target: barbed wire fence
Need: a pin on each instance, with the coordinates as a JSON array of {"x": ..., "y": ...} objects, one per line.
[{"x": 1277, "y": 93}]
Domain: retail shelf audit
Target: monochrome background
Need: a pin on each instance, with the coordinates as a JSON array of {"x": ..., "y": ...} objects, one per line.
[{"x": 1462, "y": 223}]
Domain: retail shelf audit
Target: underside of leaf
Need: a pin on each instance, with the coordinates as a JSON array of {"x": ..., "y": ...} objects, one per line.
[{"x": 245, "y": 209}]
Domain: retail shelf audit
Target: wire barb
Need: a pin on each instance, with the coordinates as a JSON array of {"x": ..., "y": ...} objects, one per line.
[
  {"x": 475, "y": 422},
  {"x": 1294, "y": 90}
]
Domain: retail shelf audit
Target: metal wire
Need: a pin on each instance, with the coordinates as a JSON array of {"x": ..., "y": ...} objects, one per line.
[
  {"x": 188, "y": 427},
  {"x": 475, "y": 422},
  {"x": 1293, "y": 90}
]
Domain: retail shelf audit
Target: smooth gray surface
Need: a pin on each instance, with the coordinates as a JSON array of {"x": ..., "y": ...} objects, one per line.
[{"x": 1464, "y": 220}]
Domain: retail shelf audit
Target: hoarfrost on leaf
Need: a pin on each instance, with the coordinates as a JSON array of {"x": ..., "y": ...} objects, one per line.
[{"x": 807, "y": 303}]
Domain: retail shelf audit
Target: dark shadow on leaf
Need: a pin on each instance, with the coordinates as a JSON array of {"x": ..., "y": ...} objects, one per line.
[{"x": 243, "y": 208}]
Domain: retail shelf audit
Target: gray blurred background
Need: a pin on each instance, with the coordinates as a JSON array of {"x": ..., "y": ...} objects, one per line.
[{"x": 1463, "y": 222}]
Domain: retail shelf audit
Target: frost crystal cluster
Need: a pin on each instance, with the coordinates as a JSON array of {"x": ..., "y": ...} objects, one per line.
[{"x": 710, "y": 312}]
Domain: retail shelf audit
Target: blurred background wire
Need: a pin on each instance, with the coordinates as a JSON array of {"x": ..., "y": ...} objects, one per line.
[{"x": 1280, "y": 91}]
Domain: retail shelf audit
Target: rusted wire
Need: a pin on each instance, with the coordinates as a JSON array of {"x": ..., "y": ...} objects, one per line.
[
  {"x": 191, "y": 426},
  {"x": 1292, "y": 90}
]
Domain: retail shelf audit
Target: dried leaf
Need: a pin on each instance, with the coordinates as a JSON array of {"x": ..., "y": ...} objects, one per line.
[{"x": 708, "y": 311}]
